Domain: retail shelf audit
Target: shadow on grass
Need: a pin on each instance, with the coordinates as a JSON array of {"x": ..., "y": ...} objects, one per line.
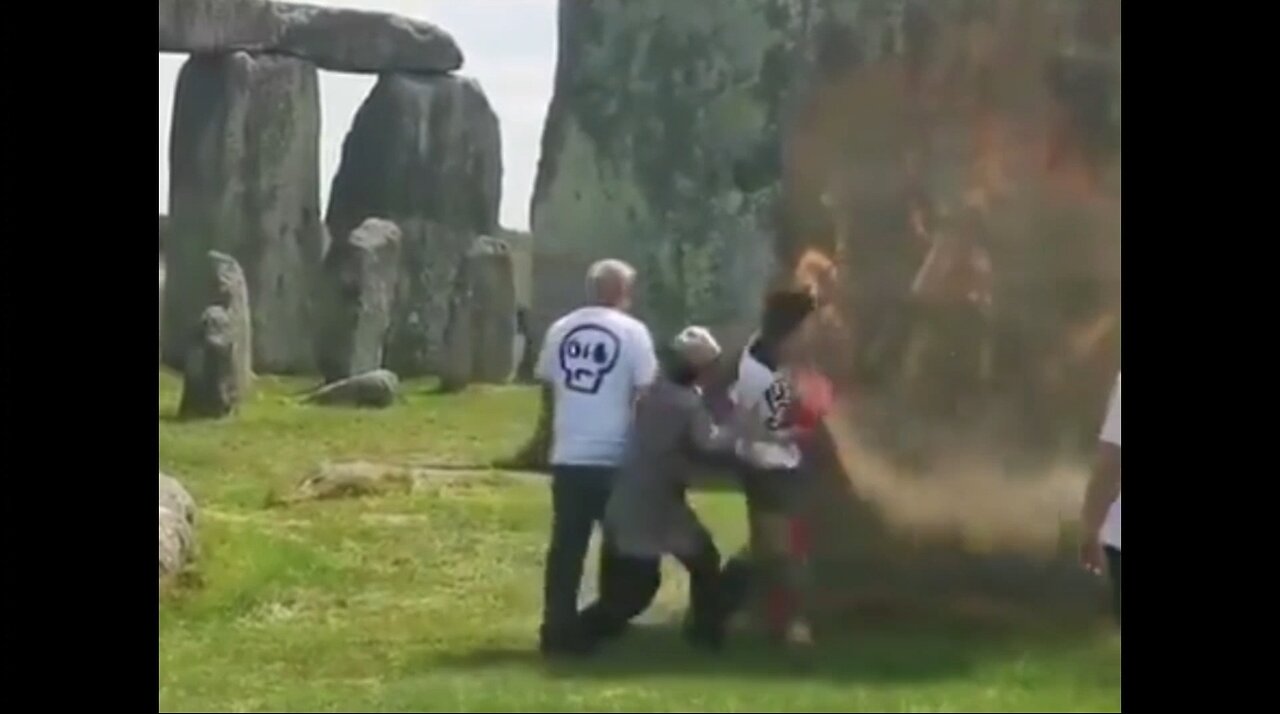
[{"x": 870, "y": 654}]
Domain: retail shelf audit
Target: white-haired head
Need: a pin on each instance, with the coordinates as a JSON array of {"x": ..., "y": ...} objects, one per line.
[
  {"x": 609, "y": 283},
  {"x": 696, "y": 346}
]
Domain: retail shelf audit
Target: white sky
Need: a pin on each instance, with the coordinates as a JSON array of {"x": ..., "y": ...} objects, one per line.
[{"x": 510, "y": 47}]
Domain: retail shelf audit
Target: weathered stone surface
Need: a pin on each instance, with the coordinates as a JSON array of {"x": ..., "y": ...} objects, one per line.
[
  {"x": 164, "y": 231},
  {"x": 209, "y": 387},
  {"x": 177, "y": 542},
  {"x": 338, "y": 39},
  {"x": 481, "y": 336},
  {"x": 244, "y": 181},
  {"x": 228, "y": 290},
  {"x": 371, "y": 389},
  {"x": 661, "y": 147},
  {"x": 175, "y": 498},
  {"x": 520, "y": 246},
  {"x": 425, "y": 153},
  {"x": 353, "y": 479},
  {"x": 218, "y": 25},
  {"x": 360, "y": 41},
  {"x": 360, "y": 276}
]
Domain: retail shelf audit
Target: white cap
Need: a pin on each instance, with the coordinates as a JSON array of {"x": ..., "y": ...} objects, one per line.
[{"x": 697, "y": 345}]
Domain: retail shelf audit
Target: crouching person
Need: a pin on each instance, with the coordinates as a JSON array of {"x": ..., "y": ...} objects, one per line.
[{"x": 648, "y": 514}]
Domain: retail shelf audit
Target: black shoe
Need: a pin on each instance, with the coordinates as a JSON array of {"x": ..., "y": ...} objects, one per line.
[
  {"x": 565, "y": 643},
  {"x": 594, "y": 624}
]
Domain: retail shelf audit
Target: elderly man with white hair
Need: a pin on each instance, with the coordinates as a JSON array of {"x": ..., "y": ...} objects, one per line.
[
  {"x": 648, "y": 515},
  {"x": 594, "y": 363}
]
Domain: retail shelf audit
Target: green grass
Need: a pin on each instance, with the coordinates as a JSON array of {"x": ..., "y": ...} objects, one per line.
[{"x": 429, "y": 601}]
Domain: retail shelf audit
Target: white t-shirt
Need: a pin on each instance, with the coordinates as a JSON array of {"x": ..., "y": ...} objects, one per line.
[
  {"x": 765, "y": 398},
  {"x": 1111, "y": 435},
  {"x": 595, "y": 358}
]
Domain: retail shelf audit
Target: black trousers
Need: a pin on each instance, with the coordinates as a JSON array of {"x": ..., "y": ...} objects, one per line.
[
  {"x": 633, "y": 582},
  {"x": 578, "y": 498},
  {"x": 1113, "y": 572}
]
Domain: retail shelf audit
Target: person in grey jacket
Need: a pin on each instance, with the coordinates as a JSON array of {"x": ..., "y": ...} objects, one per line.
[{"x": 648, "y": 515}]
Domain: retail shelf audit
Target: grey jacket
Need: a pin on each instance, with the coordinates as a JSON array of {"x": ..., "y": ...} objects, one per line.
[{"x": 647, "y": 515}]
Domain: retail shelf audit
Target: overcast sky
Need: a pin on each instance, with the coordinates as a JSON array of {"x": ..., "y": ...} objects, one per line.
[{"x": 509, "y": 47}]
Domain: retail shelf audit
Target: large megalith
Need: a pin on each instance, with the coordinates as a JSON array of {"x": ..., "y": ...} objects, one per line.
[
  {"x": 244, "y": 180},
  {"x": 359, "y": 289},
  {"x": 661, "y": 147},
  {"x": 425, "y": 153}
]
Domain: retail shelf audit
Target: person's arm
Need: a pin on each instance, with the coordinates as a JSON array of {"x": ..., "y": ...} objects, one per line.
[
  {"x": 644, "y": 369},
  {"x": 1103, "y": 488}
]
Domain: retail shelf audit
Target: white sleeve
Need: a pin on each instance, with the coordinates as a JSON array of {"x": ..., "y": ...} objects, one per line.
[
  {"x": 1111, "y": 426},
  {"x": 644, "y": 364},
  {"x": 546, "y": 369}
]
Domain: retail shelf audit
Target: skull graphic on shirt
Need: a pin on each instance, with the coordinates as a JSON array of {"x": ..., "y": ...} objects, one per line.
[{"x": 588, "y": 353}]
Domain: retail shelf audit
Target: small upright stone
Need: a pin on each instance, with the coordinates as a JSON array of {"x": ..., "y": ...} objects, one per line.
[
  {"x": 209, "y": 388},
  {"x": 360, "y": 276},
  {"x": 229, "y": 291},
  {"x": 481, "y": 333}
]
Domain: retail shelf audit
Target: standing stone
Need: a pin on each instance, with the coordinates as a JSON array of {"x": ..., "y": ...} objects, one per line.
[
  {"x": 227, "y": 289},
  {"x": 481, "y": 335},
  {"x": 209, "y": 389},
  {"x": 425, "y": 153},
  {"x": 244, "y": 181},
  {"x": 338, "y": 39},
  {"x": 493, "y": 310},
  {"x": 459, "y": 344},
  {"x": 360, "y": 276},
  {"x": 661, "y": 147}
]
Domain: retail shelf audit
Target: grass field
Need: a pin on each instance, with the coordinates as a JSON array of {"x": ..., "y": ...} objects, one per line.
[{"x": 428, "y": 600}]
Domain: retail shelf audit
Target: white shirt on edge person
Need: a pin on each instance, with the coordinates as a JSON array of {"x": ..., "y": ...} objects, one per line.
[
  {"x": 1111, "y": 435},
  {"x": 764, "y": 397},
  {"x": 595, "y": 358}
]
